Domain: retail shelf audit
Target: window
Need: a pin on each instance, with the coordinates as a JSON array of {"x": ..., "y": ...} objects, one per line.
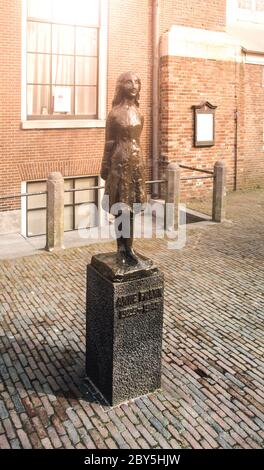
[
  {"x": 251, "y": 10},
  {"x": 65, "y": 59},
  {"x": 74, "y": 215},
  {"x": 252, "y": 5}
]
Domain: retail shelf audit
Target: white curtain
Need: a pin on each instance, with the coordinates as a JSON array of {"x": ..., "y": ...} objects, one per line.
[{"x": 62, "y": 55}]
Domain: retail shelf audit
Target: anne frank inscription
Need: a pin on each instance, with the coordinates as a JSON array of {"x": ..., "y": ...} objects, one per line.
[
  {"x": 141, "y": 302},
  {"x": 124, "y": 333}
]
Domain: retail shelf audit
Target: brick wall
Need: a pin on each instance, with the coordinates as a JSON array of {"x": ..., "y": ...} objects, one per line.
[
  {"x": 253, "y": 125},
  {"x": 186, "y": 82},
  {"x": 236, "y": 90},
  {"x": 195, "y": 13}
]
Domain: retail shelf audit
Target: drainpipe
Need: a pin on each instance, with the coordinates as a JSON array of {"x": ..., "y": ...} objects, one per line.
[
  {"x": 236, "y": 150},
  {"x": 155, "y": 97}
]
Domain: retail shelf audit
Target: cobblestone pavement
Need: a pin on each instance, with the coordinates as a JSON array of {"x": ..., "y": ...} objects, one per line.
[{"x": 212, "y": 392}]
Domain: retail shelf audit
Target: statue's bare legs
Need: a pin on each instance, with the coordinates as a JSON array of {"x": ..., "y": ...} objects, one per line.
[{"x": 125, "y": 252}]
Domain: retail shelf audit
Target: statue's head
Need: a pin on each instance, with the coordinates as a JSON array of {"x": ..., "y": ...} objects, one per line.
[{"x": 128, "y": 85}]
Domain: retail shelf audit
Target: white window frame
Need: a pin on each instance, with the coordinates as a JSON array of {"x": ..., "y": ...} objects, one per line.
[
  {"x": 254, "y": 16},
  {"x": 236, "y": 14},
  {"x": 102, "y": 81}
]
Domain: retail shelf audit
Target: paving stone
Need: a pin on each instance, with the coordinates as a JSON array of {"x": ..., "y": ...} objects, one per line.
[
  {"x": 84, "y": 418},
  {"x": 142, "y": 443},
  {"x": 129, "y": 439},
  {"x": 86, "y": 439},
  {"x": 54, "y": 438},
  {"x": 56, "y": 423},
  {"x": 3, "y": 410},
  {"x": 25, "y": 443},
  {"x": 97, "y": 439},
  {"x": 74, "y": 417},
  {"x": 67, "y": 444},
  {"x": 15, "y": 444},
  {"x": 47, "y": 443},
  {"x": 212, "y": 382},
  {"x": 110, "y": 443},
  {"x": 18, "y": 404},
  {"x": 131, "y": 427},
  {"x": 15, "y": 419},
  {"x": 102, "y": 429},
  {"x": 9, "y": 429},
  {"x": 72, "y": 433},
  {"x": 35, "y": 441},
  {"x": 4, "y": 444},
  {"x": 147, "y": 436}
]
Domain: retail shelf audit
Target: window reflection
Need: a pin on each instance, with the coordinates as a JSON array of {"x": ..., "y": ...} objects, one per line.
[
  {"x": 86, "y": 71},
  {"x": 86, "y": 41},
  {"x": 86, "y": 101},
  {"x": 62, "y": 39},
  {"x": 38, "y": 68},
  {"x": 38, "y": 100},
  {"x": 38, "y": 37},
  {"x": 62, "y": 70}
]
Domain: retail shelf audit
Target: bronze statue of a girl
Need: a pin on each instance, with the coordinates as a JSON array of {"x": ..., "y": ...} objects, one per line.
[{"x": 122, "y": 165}]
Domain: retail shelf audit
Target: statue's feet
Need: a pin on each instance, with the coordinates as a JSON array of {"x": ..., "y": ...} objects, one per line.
[
  {"x": 127, "y": 258},
  {"x": 131, "y": 256},
  {"x": 121, "y": 258}
]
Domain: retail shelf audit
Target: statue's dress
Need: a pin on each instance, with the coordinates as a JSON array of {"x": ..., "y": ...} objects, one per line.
[{"x": 123, "y": 166}]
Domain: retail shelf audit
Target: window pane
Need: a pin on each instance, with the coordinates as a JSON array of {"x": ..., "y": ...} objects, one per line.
[
  {"x": 62, "y": 39},
  {"x": 246, "y": 4},
  {"x": 37, "y": 222},
  {"x": 38, "y": 37},
  {"x": 38, "y": 68},
  {"x": 76, "y": 11},
  {"x": 62, "y": 70},
  {"x": 63, "y": 100},
  {"x": 85, "y": 196},
  {"x": 68, "y": 197},
  {"x": 85, "y": 216},
  {"x": 260, "y": 5},
  {"x": 63, "y": 11},
  {"x": 86, "y": 41},
  {"x": 39, "y": 9},
  {"x": 36, "y": 201},
  {"x": 87, "y": 12},
  {"x": 86, "y": 100},
  {"x": 38, "y": 99},
  {"x": 68, "y": 218},
  {"x": 86, "y": 71}
]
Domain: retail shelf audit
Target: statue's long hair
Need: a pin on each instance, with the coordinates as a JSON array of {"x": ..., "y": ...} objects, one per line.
[{"x": 119, "y": 97}]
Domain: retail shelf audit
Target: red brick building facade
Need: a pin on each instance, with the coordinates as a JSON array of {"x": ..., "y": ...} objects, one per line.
[{"x": 209, "y": 51}]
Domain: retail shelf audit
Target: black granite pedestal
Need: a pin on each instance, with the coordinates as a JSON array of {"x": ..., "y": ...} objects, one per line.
[{"x": 124, "y": 328}]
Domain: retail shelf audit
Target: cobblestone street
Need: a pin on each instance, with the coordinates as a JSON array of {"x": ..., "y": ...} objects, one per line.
[{"x": 212, "y": 392}]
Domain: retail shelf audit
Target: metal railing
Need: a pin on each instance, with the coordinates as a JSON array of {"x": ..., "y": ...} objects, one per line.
[
  {"x": 192, "y": 168},
  {"x": 196, "y": 178},
  {"x": 20, "y": 195},
  {"x": 40, "y": 193},
  {"x": 218, "y": 175}
]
